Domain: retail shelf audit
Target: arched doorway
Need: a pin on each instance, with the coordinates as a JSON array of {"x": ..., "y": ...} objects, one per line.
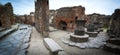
[
  {"x": 0, "y": 24},
  {"x": 63, "y": 25},
  {"x": 76, "y": 17}
]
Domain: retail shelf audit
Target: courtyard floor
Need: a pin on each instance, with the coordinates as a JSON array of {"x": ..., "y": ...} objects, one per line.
[{"x": 37, "y": 47}]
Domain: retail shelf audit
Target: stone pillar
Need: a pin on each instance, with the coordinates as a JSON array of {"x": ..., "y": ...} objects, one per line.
[{"x": 42, "y": 16}]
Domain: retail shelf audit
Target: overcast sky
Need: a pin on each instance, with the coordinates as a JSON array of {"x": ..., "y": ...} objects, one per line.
[{"x": 92, "y": 6}]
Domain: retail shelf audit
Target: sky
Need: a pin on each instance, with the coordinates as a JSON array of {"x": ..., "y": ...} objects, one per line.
[{"x": 107, "y": 7}]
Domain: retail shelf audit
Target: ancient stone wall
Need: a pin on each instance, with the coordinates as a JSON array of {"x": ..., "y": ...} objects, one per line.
[
  {"x": 65, "y": 17},
  {"x": 32, "y": 18},
  {"x": 42, "y": 16},
  {"x": 100, "y": 18},
  {"x": 51, "y": 17},
  {"x": 19, "y": 19},
  {"x": 115, "y": 23},
  {"x": 6, "y": 15},
  {"x": 25, "y": 19},
  {"x": 113, "y": 44}
]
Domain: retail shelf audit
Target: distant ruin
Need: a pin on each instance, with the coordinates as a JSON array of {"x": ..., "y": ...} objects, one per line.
[
  {"x": 102, "y": 19},
  {"x": 25, "y": 19}
]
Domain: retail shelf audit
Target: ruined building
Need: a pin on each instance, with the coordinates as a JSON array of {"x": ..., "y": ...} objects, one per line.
[
  {"x": 32, "y": 17},
  {"x": 103, "y": 20},
  {"x": 42, "y": 16},
  {"x": 115, "y": 23},
  {"x": 29, "y": 19},
  {"x": 65, "y": 17},
  {"x": 19, "y": 19},
  {"x": 6, "y": 15},
  {"x": 25, "y": 19},
  {"x": 51, "y": 17},
  {"x": 113, "y": 44}
]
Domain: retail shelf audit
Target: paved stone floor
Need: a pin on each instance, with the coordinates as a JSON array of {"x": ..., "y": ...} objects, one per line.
[
  {"x": 18, "y": 42},
  {"x": 37, "y": 47},
  {"x": 93, "y": 42},
  {"x": 36, "y": 44},
  {"x": 15, "y": 43},
  {"x": 72, "y": 50}
]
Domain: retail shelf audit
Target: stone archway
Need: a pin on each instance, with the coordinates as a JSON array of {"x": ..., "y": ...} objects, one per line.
[
  {"x": 0, "y": 24},
  {"x": 63, "y": 25},
  {"x": 76, "y": 17}
]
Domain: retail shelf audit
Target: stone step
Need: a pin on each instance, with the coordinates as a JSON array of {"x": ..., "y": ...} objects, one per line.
[
  {"x": 6, "y": 32},
  {"x": 17, "y": 42},
  {"x": 3, "y": 29},
  {"x": 112, "y": 48}
]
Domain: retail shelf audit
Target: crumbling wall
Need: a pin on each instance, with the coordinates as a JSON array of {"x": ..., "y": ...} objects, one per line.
[
  {"x": 42, "y": 16},
  {"x": 115, "y": 23},
  {"x": 113, "y": 43},
  {"x": 68, "y": 15},
  {"x": 25, "y": 19},
  {"x": 100, "y": 18},
  {"x": 6, "y": 15}
]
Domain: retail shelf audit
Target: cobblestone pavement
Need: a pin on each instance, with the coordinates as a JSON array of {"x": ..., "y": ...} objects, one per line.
[{"x": 16, "y": 43}]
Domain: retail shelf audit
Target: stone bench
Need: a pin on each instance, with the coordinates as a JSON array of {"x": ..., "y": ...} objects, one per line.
[{"x": 52, "y": 46}]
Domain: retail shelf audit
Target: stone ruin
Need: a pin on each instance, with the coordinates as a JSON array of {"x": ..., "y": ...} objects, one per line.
[
  {"x": 79, "y": 33},
  {"x": 102, "y": 19},
  {"x": 25, "y": 19},
  {"x": 94, "y": 28},
  {"x": 42, "y": 16},
  {"x": 65, "y": 17},
  {"x": 96, "y": 23},
  {"x": 6, "y": 15},
  {"x": 113, "y": 44},
  {"x": 91, "y": 30},
  {"x": 82, "y": 39},
  {"x": 51, "y": 17}
]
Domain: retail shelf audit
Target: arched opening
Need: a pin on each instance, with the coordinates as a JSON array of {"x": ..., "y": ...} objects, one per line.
[
  {"x": 0, "y": 24},
  {"x": 71, "y": 21},
  {"x": 76, "y": 18},
  {"x": 47, "y": 2},
  {"x": 63, "y": 25}
]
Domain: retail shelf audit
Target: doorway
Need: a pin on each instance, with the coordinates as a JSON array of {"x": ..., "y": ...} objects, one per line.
[
  {"x": 0, "y": 24},
  {"x": 63, "y": 25}
]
